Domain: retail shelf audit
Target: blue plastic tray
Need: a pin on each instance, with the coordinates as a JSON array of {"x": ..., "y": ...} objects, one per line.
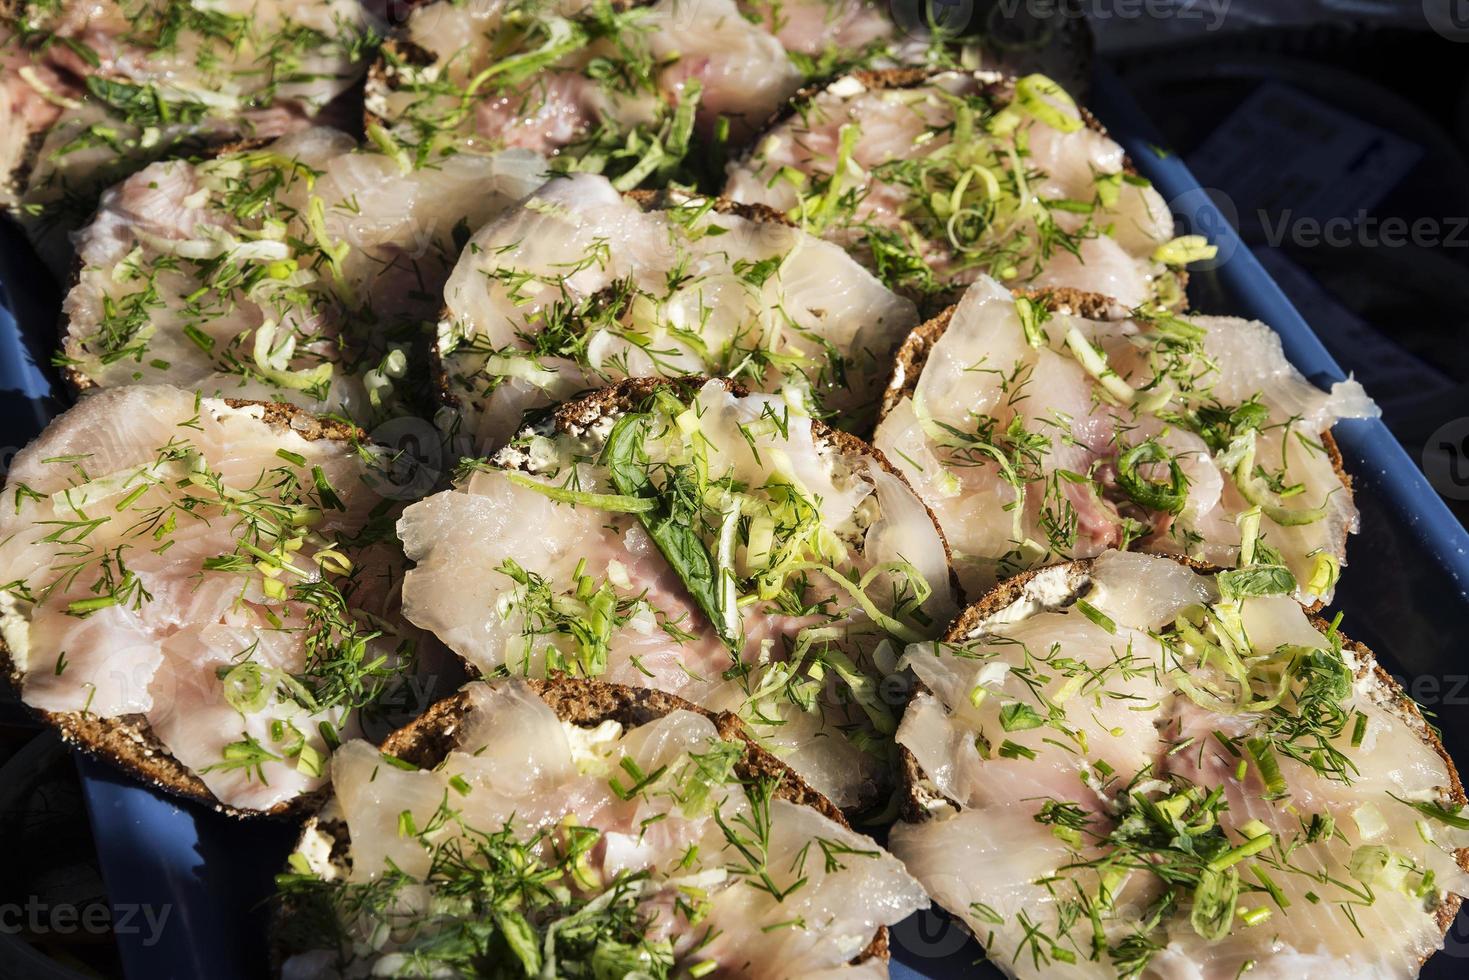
[{"x": 1407, "y": 592}]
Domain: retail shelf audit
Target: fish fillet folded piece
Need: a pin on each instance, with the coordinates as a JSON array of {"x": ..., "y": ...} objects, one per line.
[
  {"x": 580, "y": 286},
  {"x": 1130, "y": 766},
  {"x": 934, "y": 178},
  {"x": 620, "y": 88},
  {"x": 92, "y": 91},
  {"x": 835, "y": 30},
  {"x": 638, "y": 91},
  {"x": 1036, "y": 434},
  {"x": 300, "y": 270},
  {"x": 203, "y": 591},
  {"x": 575, "y": 828},
  {"x": 684, "y": 537}
]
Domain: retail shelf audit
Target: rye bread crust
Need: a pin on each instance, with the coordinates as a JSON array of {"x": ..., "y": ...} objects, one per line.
[
  {"x": 915, "y": 797},
  {"x": 127, "y": 741},
  {"x": 427, "y": 741},
  {"x": 661, "y": 200}
]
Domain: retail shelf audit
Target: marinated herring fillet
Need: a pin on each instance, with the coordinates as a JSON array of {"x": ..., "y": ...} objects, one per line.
[
  {"x": 934, "y": 178},
  {"x": 203, "y": 591},
  {"x": 95, "y": 90},
  {"x": 722, "y": 547},
  {"x": 1037, "y": 435},
  {"x": 1125, "y": 767},
  {"x": 300, "y": 270},
  {"x": 581, "y": 286},
  {"x": 581, "y": 829}
]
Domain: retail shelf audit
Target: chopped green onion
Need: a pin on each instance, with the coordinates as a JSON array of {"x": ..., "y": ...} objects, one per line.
[
  {"x": 1260, "y": 750},
  {"x": 1254, "y": 845},
  {"x": 614, "y": 502},
  {"x": 1185, "y": 249},
  {"x": 1168, "y": 498},
  {"x": 1096, "y": 365},
  {"x": 1019, "y": 716},
  {"x": 1094, "y": 614}
]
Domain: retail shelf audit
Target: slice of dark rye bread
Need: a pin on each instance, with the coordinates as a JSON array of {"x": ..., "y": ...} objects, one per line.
[
  {"x": 427, "y": 741},
  {"x": 127, "y": 741},
  {"x": 648, "y": 200},
  {"x": 913, "y": 353},
  {"x": 917, "y": 797}
]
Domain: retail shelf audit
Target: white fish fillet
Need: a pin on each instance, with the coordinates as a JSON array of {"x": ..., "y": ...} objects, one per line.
[
  {"x": 580, "y": 286},
  {"x": 992, "y": 416},
  {"x": 848, "y": 160},
  {"x": 289, "y": 272},
  {"x": 88, "y": 80},
  {"x": 1047, "y": 734},
  {"x": 131, "y": 590},
  {"x": 676, "y": 841},
  {"x": 843, "y": 28},
  {"x": 575, "y": 85},
  {"x": 498, "y": 566}
]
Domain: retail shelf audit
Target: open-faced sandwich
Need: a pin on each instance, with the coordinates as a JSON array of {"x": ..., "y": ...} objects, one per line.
[
  {"x": 581, "y": 286},
  {"x": 301, "y": 269},
  {"x": 202, "y": 591},
  {"x": 686, "y": 537},
  {"x": 1128, "y": 766},
  {"x": 1037, "y": 433},
  {"x": 638, "y": 91},
  {"x": 934, "y": 178},
  {"x": 586, "y": 830},
  {"x": 93, "y": 90}
]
